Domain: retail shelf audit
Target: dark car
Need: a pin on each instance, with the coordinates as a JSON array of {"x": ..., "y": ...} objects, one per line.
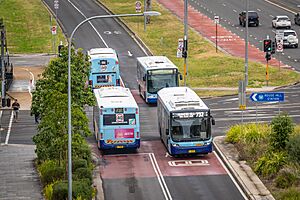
[
  {"x": 252, "y": 18},
  {"x": 297, "y": 18}
]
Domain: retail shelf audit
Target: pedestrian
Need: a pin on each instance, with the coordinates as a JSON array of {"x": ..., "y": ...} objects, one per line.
[
  {"x": 36, "y": 117},
  {"x": 16, "y": 107}
]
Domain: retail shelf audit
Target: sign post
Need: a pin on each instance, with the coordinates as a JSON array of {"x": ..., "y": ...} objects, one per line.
[
  {"x": 242, "y": 97},
  {"x": 217, "y": 21},
  {"x": 279, "y": 43}
]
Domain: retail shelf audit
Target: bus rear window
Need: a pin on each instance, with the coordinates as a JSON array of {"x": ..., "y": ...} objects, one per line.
[{"x": 119, "y": 119}]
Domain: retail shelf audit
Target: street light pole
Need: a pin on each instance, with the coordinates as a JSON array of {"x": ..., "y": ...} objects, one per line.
[
  {"x": 185, "y": 42},
  {"x": 149, "y": 13},
  {"x": 246, "y": 44}
]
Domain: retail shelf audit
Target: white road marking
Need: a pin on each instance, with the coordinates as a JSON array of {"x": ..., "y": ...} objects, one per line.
[
  {"x": 160, "y": 177},
  {"x": 188, "y": 163},
  {"x": 229, "y": 174},
  {"x": 280, "y": 7},
  {"x": 258, "y": 9},
  {"x": 234, "y": 11},
  {"x": 89, "y": 23},
  {"x": 9, "y": 128}
]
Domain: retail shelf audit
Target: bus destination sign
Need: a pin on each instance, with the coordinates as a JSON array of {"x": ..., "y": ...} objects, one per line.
[{"x": 189, "y": 115}]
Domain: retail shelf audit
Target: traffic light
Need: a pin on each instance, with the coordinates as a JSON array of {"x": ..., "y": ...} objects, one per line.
[
  {"x": 268, "y": 56},
  {"x": 267, "y": 45},
  {"x": 273, "y": 48},
  {"x": 59, "y": 50}
]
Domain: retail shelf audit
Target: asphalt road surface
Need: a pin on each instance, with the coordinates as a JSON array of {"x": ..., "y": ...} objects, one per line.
[
  {"x": 228, "y": 11},
  {"x": 149, "y": 173}
]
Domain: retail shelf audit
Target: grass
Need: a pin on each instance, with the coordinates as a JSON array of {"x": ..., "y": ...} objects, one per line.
[
  {"x": 27, "y": 25},
  {"x": 206, "y": 68}
]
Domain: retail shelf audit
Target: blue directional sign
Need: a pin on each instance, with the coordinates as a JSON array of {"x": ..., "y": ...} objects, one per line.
[{"x": 267, "y": 97}]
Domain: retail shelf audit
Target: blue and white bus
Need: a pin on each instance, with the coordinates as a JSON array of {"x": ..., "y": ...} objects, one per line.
[
  {"x": 184, "y": 121},
  {"x": 105, "y": 69},
  {"x": 153, "y": 74},
  {"x": 116, "y": 118}
]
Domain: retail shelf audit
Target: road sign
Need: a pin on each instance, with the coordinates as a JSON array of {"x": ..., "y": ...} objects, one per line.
[
  {"x": 217, "y": 19},
  {"x": 53, "y": 30},
  {"x": 179, "y": 48},
  {"x": 279, "y": 47},
  {"x": 279, "y": 35},
  {"x": 56, "y": 4},
  {"x": 138, "y": 6},
  {"x": 267, "y": 97}
]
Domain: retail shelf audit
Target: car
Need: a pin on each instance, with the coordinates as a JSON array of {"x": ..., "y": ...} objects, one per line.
[
  {"x": 290, "y": 38},
  {"x": 281, "y": 21},
  {"x": 297, "y": 19},
  {"x": 252, "y": 18}
]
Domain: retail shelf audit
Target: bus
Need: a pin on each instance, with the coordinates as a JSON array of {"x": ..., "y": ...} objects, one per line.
[
  {"x": 116, "y": 118},
  {"x": 155, "y": 73},
  {"x": 105, "y": 69},
  {"x": 184, "y": 121}
]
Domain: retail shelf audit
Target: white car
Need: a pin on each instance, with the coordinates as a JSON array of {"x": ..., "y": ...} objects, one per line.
[
  {"x": 290, "y": 38},
  {"x": 281, "y": 21}
]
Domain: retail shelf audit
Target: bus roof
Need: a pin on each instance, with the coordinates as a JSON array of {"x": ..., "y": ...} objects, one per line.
[
  {"x": 114, "y": 97},
  {"x": 180, "y": 98},
  {"x": 156, "y": 62},
  {"x": 102, "y": 53}
]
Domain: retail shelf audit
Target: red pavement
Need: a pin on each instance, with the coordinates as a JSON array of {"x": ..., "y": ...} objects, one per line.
[{"x": 230, "y": 42}]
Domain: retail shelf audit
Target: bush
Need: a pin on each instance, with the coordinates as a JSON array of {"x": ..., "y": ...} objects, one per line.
[
  {"x": 270, "y": 164},
  {"x": 290, "y": 194},
  {"x": 50, "y": 171},
  {"x": 282, "y": 127},
  {"x": 234, "y": 134},
  {"x": 81, "y": 190},
  {"x": 79, "y": 163},
  {"x": 83, "y": 173},
  {"x": 286, "y": 177},
  {"x": 60, "y": 191},
  {"x": 293, "y": 148}
]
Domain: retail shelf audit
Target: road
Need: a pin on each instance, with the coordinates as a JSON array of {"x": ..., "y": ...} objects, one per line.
[
  {"x": 148, "y": 173},
  {"x": 228, "y": 11}
]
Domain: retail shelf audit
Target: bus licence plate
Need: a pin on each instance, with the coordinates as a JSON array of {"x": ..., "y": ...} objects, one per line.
[
  {"x": 192, "y": 151},
  {"x": 119, "y": 147}
]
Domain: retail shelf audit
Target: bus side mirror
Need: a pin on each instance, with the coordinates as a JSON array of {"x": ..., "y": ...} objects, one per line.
[
  {"x": 180, "y": 76},
  {"x": 213, "y": 122},
  {"x": 167, "y": 131}
]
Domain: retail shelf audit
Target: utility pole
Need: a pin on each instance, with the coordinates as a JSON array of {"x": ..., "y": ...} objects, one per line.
[
  {"x": 3, "y": 90},
  {"x": 185, "y": 41},
  {"x": 246, "y": 44}
]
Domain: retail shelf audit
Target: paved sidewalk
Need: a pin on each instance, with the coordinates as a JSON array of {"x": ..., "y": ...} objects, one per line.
[
  {"x": 206, "y": 27},
  {"x": 243, "y": 174}
]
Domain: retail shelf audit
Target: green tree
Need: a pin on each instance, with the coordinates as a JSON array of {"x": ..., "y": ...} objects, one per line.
[{"x": 282, "y": 127}]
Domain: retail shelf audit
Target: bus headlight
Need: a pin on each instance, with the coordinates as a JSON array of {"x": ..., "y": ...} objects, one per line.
[
  {"x": 175, "y": 145},
  {"x": 207, "y": 143}
]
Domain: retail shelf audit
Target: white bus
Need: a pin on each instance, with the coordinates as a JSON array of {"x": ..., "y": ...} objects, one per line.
[
  {"x": 154, "y": 73},
  {"x": 116, "y": 118},
  {"x": 184, "y": 121},
  {"x": 105, "y": 68}
]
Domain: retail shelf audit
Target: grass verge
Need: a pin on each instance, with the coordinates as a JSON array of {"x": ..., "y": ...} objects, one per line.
[
  {"x": 27, "y": 25},
  {"x": 206, "y": 68}
]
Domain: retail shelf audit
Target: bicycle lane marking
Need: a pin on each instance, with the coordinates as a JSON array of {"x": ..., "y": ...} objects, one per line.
[{"x": 9, "y": 128}]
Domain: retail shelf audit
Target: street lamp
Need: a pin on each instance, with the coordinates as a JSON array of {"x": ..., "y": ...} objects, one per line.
[{"x": 148, "y": 13}]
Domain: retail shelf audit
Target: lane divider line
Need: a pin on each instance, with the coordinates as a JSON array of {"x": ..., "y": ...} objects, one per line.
[
  {"x": 89, "y": 23},
  {"x": 160, "y": 177},
  {"x": 9, "y": 128}
]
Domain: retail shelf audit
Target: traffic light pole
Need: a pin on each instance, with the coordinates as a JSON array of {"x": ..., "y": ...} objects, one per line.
[
  {"x": 267, "y": 72},
  {"x": 185, "y": 42}
]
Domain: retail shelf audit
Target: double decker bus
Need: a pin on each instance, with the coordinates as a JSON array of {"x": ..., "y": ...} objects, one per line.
[
  {"x": 184, "y": 121},
  {"x": 116, "y": 118},
  {"x": 155, "y": 73},
  {"x": 105, "y": 69}
]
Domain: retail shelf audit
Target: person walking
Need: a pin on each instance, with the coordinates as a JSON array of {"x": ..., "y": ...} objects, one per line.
[{"x": 16, "y": 107}]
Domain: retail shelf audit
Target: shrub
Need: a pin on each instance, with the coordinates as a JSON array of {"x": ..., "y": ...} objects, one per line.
[
  {"x": 270, "y": 164},
  {"x": 82, "y": 188},
  {"x": 60, "y": 191},
  {"x": 79, "y": 163},
  {"x": 50, "y": 171},
  {"x": 290, "y": 194},
  {"x": 293, "y": 148},
  {"x": 282, "y": 127},
  {"x": 234, "y": 134},
  {"x": 286, "y": 177},
  {"x": 83, "y": 173}
]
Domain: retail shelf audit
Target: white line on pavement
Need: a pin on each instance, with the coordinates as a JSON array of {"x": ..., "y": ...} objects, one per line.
[
  {"x": 89, "y": 23},
  {"x": 9, "y": 128}
]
